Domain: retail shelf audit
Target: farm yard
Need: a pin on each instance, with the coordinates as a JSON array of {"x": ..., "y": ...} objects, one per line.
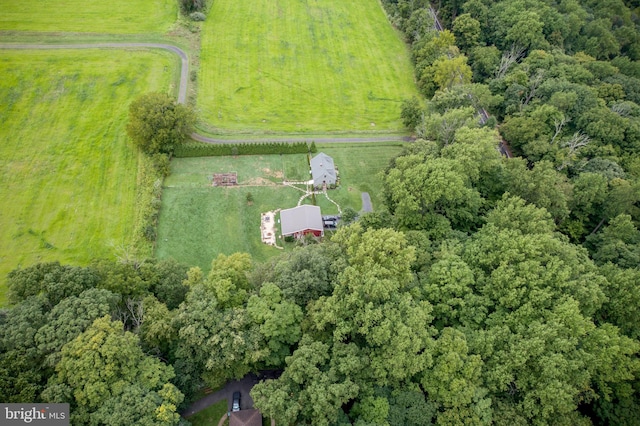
[
  {"x": 105, "y": 17},
  {"x": 69, "y": 193},
  {"x": 198, "y": 221},
  {"x": 67, "y": 171},
  {"x": 303, "y": 67}
]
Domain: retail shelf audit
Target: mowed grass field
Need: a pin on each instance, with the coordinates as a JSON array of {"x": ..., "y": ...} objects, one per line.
[
  {"x": 302, "y": 66},
  {"x": 198, "y": 221},
  {"x": 89, "y": 16},
  {"x": 67, "y": 171}
]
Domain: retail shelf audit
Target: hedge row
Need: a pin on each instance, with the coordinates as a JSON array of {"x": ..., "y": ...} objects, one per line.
[
  {"x": 200, "y": 149},
  {"x": 152, "y": 171}
]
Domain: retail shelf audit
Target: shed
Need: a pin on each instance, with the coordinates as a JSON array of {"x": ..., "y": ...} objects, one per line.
[
  {"x": 323, "y": 171},
  {"x": 245, "y": 418},
  {"x": 301, "y": 220}
]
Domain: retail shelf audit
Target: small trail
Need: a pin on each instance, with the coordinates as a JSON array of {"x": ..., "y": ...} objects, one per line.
[{"x": 182, "y": 92}]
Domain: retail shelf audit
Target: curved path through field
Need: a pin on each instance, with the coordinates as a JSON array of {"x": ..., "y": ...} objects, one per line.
[{"x": 182, "y": 91}]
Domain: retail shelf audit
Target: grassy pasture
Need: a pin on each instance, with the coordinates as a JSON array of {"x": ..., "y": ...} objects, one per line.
[
  {"x": 67, "y": 172},
  {"x": 198, "y": 221},
  {"x": 303, "y": 66},
  {"x": 90, "y": 16}
]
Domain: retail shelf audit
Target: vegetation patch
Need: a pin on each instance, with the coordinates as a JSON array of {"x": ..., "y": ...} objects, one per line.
[
  {"x": 94, "y": 16},
  {"x": 210, "y": 415},
  {"x": 302, "y": 66},
  {"x": 199, "y": 221},
  {"x": 67, "y": 173},
  {"x": 201, "y": 149}
]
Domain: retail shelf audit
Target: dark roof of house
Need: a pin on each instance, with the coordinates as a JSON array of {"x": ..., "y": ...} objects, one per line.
[
  {"x": 300, "y": 219},
  {"x": 245, "y": 418},
  {"x": 323, "y": 169}
]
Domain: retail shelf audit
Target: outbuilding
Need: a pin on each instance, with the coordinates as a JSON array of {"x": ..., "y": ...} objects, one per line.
[
  {"x": 323, "y": 171},
  {"x": 301, "y": 220}
]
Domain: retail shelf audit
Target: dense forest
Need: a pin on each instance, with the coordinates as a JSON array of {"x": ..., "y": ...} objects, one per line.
[{"x": 489, "y": 290}]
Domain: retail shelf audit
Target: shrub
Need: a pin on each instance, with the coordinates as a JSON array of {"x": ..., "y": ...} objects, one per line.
[
  {"x": 411, "y": 113},
  {"x": 197, "y": 16},
  {"x": 153, "y": 169},
  {"x": 189, "y": 6},
  {"x": 200, "y": 149}
]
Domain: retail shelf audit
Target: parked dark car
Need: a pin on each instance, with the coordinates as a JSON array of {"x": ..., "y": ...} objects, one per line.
[{"x": 236, "y": 402}]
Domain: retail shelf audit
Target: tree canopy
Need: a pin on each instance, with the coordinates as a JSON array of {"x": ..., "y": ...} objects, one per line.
[{"x": 158, "y": 124}]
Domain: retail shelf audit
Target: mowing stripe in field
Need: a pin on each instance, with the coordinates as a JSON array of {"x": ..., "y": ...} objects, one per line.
[
  {"x": 67, "y": 172},
  {"x": 308, "y": 65},
  {"x": 89, "y": 16}
]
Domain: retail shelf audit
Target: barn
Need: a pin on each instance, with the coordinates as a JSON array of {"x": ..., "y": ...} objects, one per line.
[
  {"x": 323, "y": 171},
  {"x": 301, "y": 220}
]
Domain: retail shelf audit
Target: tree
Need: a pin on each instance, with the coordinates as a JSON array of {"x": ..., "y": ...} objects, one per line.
[
  {"x": 622, "y": 306},
  {"x": 448, "y": 72},
  {"x": 97, "y": 368},
  {"x": 372, "y": 306},
  {"x": 618, "y": 243},
  {"x": 308, "y": 273},
  {"x": 158, "y": 124},
  {"x": 158, "y": 332},
  {"x": 22, "y": 370},
  {"x": 55, "y": 280},
  {"x": 278, "y": 321},
  {"x": 431, "y": 194},
  {"x": 467, "y": 31},
  {"x": 411, "y": 113},
  {"x": 228, "y": 278},
  {"x": 534, "y": 297},
  {"x": 312, "y": 389},
  {"x": 71, "y": 317},
  {"x": 442, "y": 127},
  {"x": 543, "y": 186},
  {"x": 215, "y": 343},
  {"x": 169, "y": 287},
  {"x": 454, "y": 381}
]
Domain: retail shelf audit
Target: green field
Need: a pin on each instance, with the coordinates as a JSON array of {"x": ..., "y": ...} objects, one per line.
[
  {"x": 67, "y": 172},
  {"x": 90, "y": 16},
  {"x": 303, "y": 66},
  {"x": 198, "y": 221}
]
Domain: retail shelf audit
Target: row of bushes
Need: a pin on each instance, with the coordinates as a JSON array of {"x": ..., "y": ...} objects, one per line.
[
  {"x": 152, "y": 171},
  {"x": 200, "y": 149}
]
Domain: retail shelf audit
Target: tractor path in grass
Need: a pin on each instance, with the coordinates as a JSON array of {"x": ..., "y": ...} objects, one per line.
[{"x": 182, "y": 92}]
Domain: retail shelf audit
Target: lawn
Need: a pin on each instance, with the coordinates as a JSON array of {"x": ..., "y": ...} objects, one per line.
[
  {"x": 211, "y": 415},
  {"x": 303, "y": 66},
  {"x": 90, "y": 16},
  {"x": 67, "y": 171},
  {"x": 198, "y": 221}
]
